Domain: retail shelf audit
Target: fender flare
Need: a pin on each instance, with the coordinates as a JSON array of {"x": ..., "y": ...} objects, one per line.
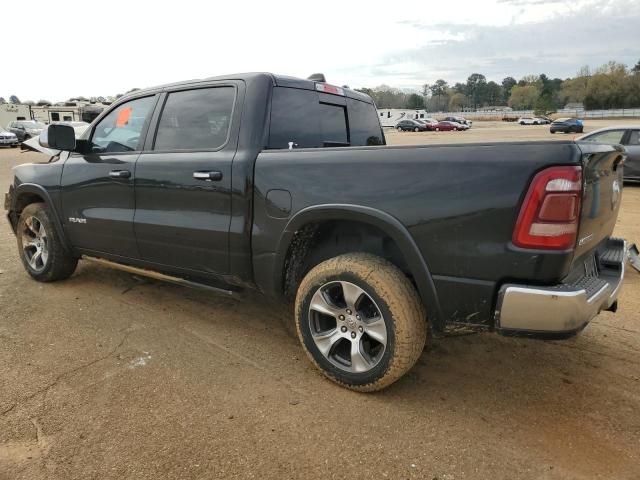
[
  {"x": 380, "y": 219},
  {"x": 42, "y": 192}
]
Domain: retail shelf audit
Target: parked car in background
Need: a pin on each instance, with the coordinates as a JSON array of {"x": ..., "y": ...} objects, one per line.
[
  {"x": 629, "y": 138},
  {"x": 428, "y": 122},
  {"x": 544, "y": 120},
  {"x": 25, "y": 129},
  {"x": 460, "y": 120},
  {"x": 530, "y": 121},
  {"x": 8, "y": 139},
  {"x": 411, "y": 126},
  {"x": 445, "y": 125},
  {"x": 567, "y": 125}
]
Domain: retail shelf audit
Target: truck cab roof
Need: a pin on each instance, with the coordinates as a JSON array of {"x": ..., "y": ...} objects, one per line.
[{"x": 276, "y": 80}]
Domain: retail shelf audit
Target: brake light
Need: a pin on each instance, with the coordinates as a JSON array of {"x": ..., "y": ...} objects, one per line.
[
  {"x": 549, "y": 215},
  {"x": 326, "y": 88}
]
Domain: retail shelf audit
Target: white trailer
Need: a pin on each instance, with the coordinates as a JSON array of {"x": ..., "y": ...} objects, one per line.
[
  {"x": 10, "y": 112},
  {"x": 390, "y": 117}
]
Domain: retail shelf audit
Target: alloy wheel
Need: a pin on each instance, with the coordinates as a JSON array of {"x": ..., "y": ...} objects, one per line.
[
  {"x": 347, "y": 326},
  {"x": 34, "y": 244}
]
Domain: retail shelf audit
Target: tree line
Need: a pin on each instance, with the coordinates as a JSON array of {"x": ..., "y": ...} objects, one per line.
[{"x": 612, "y": 85}]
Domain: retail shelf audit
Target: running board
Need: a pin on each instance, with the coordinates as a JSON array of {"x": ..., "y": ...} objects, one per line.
[{"x": 156, "y": 275}]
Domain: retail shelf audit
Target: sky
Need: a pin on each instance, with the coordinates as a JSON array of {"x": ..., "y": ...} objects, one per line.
[{"x": 84, "y": 48}]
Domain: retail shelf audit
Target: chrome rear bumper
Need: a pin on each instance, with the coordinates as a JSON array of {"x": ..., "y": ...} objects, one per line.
[{"x": 563, "y": 308}]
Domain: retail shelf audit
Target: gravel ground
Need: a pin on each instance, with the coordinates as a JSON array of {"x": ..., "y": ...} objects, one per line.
[{"x": 107, "y": 375}]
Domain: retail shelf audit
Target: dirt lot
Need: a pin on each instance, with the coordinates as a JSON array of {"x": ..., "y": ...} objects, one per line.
[{"x": 110, "y": 376}]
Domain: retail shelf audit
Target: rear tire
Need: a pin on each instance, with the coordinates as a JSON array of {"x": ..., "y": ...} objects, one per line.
[
  {"x": 40, "y": 247},
  {"x": 360, "y": 321},
  {"x": 416, "y": 129}
]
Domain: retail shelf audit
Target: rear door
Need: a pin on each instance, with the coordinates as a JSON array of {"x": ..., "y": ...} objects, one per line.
[
  {"x": 98, "y": 200},
  {"x": 632, "y": 145},
  {"x": 183, "y": 180}
]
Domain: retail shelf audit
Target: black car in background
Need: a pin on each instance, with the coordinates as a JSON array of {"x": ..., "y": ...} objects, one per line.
[
  {"x": 460, "y": 120},
  {"x": 411, "y": 126},
  {"x": 567, "y": 125}
]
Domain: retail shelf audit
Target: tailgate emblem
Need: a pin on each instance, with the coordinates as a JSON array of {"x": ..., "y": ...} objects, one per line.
[{"x": 584, "y": 240}]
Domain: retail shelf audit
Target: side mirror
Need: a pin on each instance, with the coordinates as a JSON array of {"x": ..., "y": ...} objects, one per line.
[{"x": 58, "y": 137}]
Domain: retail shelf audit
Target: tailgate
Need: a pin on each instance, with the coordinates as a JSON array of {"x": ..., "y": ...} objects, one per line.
[{"x": 602, "y": 174}]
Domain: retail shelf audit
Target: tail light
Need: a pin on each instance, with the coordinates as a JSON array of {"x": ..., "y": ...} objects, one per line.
[{"x": 549, "y": 215}]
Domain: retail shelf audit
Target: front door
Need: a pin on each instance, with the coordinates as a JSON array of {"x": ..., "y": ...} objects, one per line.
[
  {"x": 183, "y": 184},
  {"x": 98, "y": 198}
]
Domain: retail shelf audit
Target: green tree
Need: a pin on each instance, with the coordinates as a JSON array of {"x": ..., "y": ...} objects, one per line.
[
  {"x": 415, "y": 102},
  {"x": 476, "y": 89},
  {"x": 439, "y": 90},
  {"x": 523, "y": 97},
  {"x": 457, "y": 102},
  {"x": 507, "y": 84},
  {"x": 493, "y": 94}
]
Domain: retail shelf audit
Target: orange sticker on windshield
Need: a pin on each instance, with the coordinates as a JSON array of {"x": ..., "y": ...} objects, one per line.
[{"x": 123, "y": 117}]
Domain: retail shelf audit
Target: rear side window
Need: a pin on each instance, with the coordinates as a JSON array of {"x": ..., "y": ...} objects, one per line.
[
  {"x": 195, "y": 119},
  {"x": 363, "y": 124},
  {"x": 634, "y": 138},
  {"x": 300, "y": 117}
]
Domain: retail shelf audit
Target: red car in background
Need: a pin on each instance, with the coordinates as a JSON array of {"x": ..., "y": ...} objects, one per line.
[{"x": 445, "y": 126}]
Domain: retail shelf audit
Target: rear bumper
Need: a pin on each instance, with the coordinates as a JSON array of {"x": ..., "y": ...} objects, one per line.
[{"x": 564, "y": 308}]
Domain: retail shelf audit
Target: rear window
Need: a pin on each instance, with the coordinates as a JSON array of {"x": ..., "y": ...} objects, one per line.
[
  {"x": 308, "y": 120},
  {"x": 195, "y": 119}
]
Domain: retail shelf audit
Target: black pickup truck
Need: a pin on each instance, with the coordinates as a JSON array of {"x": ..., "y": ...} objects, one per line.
[{"x": 285, "y": 185}]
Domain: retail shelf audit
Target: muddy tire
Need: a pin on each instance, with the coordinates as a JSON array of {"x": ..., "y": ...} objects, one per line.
[
  {"x": 360, "y": 321},
  {"x": 40, "y": 247}
]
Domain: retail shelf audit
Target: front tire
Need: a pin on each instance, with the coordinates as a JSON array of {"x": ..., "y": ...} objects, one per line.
[
  {"x": 40, "y": 247},
  {"x": 399, "y": 129},
  {"x": 360, "y": 321},
  {"x": 416, "y": 129}
]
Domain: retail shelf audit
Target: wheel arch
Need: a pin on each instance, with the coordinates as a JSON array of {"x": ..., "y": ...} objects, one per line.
[
  {"x": 28, "y": 193},
  {"x": 391, "y": 226}
]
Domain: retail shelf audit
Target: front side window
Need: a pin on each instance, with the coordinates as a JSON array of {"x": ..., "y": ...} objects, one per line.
[
  {"x": 609, "y": 137},
  {"x": 196, "y": 119},
  {"x": 120, "y": 131}
]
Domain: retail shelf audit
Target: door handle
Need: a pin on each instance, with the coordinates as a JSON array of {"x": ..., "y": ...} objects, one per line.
[
  {"x": 120, "y": 174},
  {"x": 208, "y": 176}
]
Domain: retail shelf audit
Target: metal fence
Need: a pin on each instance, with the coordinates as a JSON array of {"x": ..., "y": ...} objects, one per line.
[{"x": 499, "y": 115}]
